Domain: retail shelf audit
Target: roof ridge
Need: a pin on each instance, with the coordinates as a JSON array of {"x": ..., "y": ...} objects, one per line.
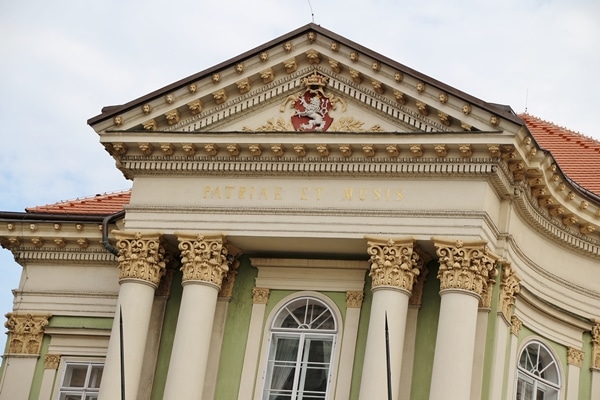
[{"x": 559, "y": 127}]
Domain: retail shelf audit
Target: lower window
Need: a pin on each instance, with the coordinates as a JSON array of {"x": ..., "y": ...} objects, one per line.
[
  {"x": 81, "y": 381},
  {"x": 538, "y": 375}
]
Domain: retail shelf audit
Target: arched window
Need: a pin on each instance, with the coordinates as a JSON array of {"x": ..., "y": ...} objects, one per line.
[
  {"x": 538, "y": 374},
  {"x": 302, "y": 339}
]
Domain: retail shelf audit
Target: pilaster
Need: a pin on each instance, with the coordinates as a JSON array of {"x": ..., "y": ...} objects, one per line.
[{"x": 595, "y": 367}]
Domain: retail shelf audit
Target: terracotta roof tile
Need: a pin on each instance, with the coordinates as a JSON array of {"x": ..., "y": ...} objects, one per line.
[
  {"x": 578, "y": 156},
  {"x": 100, "y": 204}
]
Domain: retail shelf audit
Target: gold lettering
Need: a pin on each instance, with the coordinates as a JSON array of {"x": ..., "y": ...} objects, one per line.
[
  {"x": 362, "y": 194},
  {"x": 319, "y": 191},
  {"x": 304, "y": 193},
  {"x": 216, "y": 193},
  {"x": 399, "y": 195},
  {"x": 278, "y": 193},
  {"x": 348, "y": 192},
  {"x": 377, "y": 194},
  {"x": 228, "y": 190},
  {"x": 388, "y": 193},
  {"x": 264, "y": 194},
  {"x": 206, "y": 191},
  {"x": 242, "y": 192},
  {"x": 251, "y": 195}
]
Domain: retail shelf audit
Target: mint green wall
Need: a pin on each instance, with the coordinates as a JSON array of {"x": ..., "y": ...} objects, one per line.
[
  {"x": 236, "y": 333},
  {"x": 585, "y": 377},
  {"x": 38, "y": 374},
  {"x": 427, "y": 325},
  {"x": 167, "y": 336}
]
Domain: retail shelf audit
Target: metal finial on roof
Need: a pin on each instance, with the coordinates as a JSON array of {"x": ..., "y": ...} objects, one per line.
[{"x": 312, "y": 14}]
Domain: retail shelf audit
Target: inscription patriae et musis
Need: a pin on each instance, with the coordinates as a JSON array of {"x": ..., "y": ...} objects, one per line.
[{"x": 303, "y": 193}]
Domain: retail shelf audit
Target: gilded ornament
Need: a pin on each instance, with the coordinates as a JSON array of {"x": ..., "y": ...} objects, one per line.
[
  {"x": 287, "y": 47},
  {"x": 465, "y": 266},
  {"x": 378, "y": 86},
  {"x": 353, "y": 56},
  {"x": 571, "y": 196},
  {"x": 147, "y": 108},
  {"x": 494, "y": 150},
  {"x": 189, "y": 149},
  {"x": 392, "y": 150},
  {"x": 13, "y": 242},
  {"x": 335, "y": 46},
  {"x": 290, "y": 65},
  {"x": 494, "y": 120},
  {"x": 557, "y": 211},
  {"x": 146, "y": 148},
  {"x": 527, "y": 140},
  {"x": 167, "y": 148},
  {"x": 466, "y": 109},
  {"x": 211, "y": 149},
  {"x": 33, "y": 227},
  {"x": 570, "y": 220},
  {"x": 312, "y": 36},
  {"x": 345, "y": 150},
  {"x": 260, "y": 295},
  {"x": 264, "y": 56},
  {"x": 239, "y": 68},
  {"x": 354, "y": 299},
  {"x": 441, "y": 150},
  {"x": 416, "y": 151},
  {"x": 83, "y": 243},
  {"x": 10, "y": 227},
  {"x": 255, "y": 150},
  {"x": 515, "y": 325},
  {"x": 57, "y": 227},
  {"x": 394, "y": 262},
  {"x": 195, "y": 107},
  {"x": 561, "y": 186},
  {"x": 510, "y": 286},
  {"x": 587, "y": 229},
  {"x": 278, "y": 150},
  {"x": 422, "y": 108},
  {"x": 355, "y": 75},
  {"x": 119, "y": 148},
  {"x": 170, "y": 99},
  {"x": 538, "y": 191},
  {"x": 267, "y": 76},
  {"x": 243, "y": 86},
  {"x": 335, "y": 66},
  {"x": 118, "y": 120},
  {"x": 555, "y": 178},
  {"x": 420, "y": 87},
  {"x": 368, "y": 150},
  {"x": 584, "y": 205},
  {"x": 400, "y": 98},
  {"x": 150, "y": 125},
  {"x": 216, "y": 78},
  {"x": 60, "y": 242},
  {"x": 323, "y": 150},
  {"x": 300, "y": 150},
  {"x": 596, "y": 346},
  {"x": 37, "y": 241},
  {"x": 575, "y": 357},
  {"x": 444, "y": 118},
  {"x": 233, "y": 150},
  {"x": 204, "y": 258},
  {"x": 172, "y": 117},
  {"x": 141, "y": 256},
  {"x": 313, "y": 57},
  {"x": 531, "y": 153},
  {"x": 443, "y": 98},
  {"x": 51, "y": 361},
  {"x": 26, "y": 332},
  {"x": 376, "y": 66},
  {"x": 193, "y": 88},
  {"x": 398, "y": 77},
  {"x": 220, "y": 96},
  {"x": 466, "y": 126},
  {"x": 465, "y": 150}
]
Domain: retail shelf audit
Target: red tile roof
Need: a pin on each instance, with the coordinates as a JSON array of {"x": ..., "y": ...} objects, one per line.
[
  {"x": 578, "y": 156},
  {"x": 100, "y": 204}
]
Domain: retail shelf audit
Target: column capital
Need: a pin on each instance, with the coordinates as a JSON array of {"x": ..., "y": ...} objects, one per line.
[
  {"x": 515, "y": 325},
  {"x": 575, "y": 357},
  {"x": 204, "y": 258},
  {"x": 26, "y": 332},
  {"x": 465, "y": 265},
  {"x": 354, "y": 299},
  {"x": 260, "y": 295},
  {"x": 510, "y": 286},
  {"x": 596, "y": 347},
  {"x": 51, "y": 361},
  {"x": 141, "y": 256},
  {"x": 394, "y": 262}
]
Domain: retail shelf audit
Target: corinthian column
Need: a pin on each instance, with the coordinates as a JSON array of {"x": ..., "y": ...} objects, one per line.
[
  {"x": 394, "y": 266},
  {"x": 465, "y": 272},
  {"x": 204, "y": 260},
  {"x": 141, "y": 265}
]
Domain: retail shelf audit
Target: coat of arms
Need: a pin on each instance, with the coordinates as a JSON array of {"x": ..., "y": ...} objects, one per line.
[{"x": 311, "y": 108}]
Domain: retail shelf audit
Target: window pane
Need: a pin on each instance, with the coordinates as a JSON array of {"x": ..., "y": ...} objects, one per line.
[
  {"x": 69, "y": 396},
  {"x": 75, "y": 375},
  {"x": 95, "y": 376},
  {"x": 91, "y": 396},
  {"x": 286, "y": 349}
]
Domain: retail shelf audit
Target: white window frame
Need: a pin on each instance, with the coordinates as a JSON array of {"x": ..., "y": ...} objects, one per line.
[
  {"x": 65, "y": 362},
  {"x": 269, "y": 332},
  {"x": 536, "y": 381}
]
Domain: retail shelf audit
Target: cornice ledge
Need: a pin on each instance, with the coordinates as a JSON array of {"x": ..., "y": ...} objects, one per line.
[{"x": 24, "y": 255}]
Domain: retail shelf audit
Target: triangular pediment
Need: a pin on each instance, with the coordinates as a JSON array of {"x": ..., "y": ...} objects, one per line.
[{"x": 252, "y": 92}]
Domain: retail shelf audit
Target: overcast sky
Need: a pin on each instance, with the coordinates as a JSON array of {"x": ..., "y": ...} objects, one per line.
[{"x": 63, "y": 60}]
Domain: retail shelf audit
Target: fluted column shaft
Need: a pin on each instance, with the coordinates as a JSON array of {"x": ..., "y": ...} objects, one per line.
[
  {"x": 141, "y": 264},
  {"x": 394, "y": 266},
  {"x": 204, "y": 265},
  {"x": 466, "y": 271}
]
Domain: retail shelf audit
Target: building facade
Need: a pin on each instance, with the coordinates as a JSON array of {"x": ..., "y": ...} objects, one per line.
[{"x": 312, "y": 220}]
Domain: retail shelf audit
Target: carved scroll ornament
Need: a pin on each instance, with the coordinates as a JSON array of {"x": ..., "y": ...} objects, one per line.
[
  {"x": 141, "y": 256},
  {"x": 204, "y": 258},
  {"x": 25, "y": 333},
  {"x": 394, "y": 263}
]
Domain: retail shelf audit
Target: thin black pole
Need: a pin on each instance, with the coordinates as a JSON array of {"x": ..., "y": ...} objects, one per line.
[
  {"x": 387, "y": 354},
  {"x": 121, "y": 347}
]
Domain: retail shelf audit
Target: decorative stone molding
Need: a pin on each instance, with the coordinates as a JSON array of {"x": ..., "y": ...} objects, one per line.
[
  {"x": 204, "y": 258},
  {"x": 141, "y": 256},
  {"x": 420, "y": 87},
  {"x": 220, "y": 96},
  {"x": 398, "y": 77},
  {"x": 394, "y": 262},
  {"x": 575, "y": 357},
  {"x": 354, "y": 299},
  {"x": 233, "y": 262},
  {"x": 167, "y": 148},
  {"x": 150, "y": 125},
  {"x": 417, "y": 293},
  {"x": 243, "y": 86},
  {"x": 195, "y": 107},
  {"x": 51, "y": 361},
  {"x": 355, "y": 75},
  {"x": 313, "y": 57},
  {"x": 422, "y": 108},
  {"x": 267, "y": 76},
  {"x": 509, "y": 287},
  {"x": 378, "y": 86},
  {"x": 260, "y": 295},
  {"x": 596, "y": 347},
  {"x": 172, "y": 117},
  {"x": 515, "y": 325},
  {"x": 26, "y": 332},
  {"x": 290, "y": 65},
  {"x": 466, "y": 266},
  {"x": 335, "y": 66}
]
